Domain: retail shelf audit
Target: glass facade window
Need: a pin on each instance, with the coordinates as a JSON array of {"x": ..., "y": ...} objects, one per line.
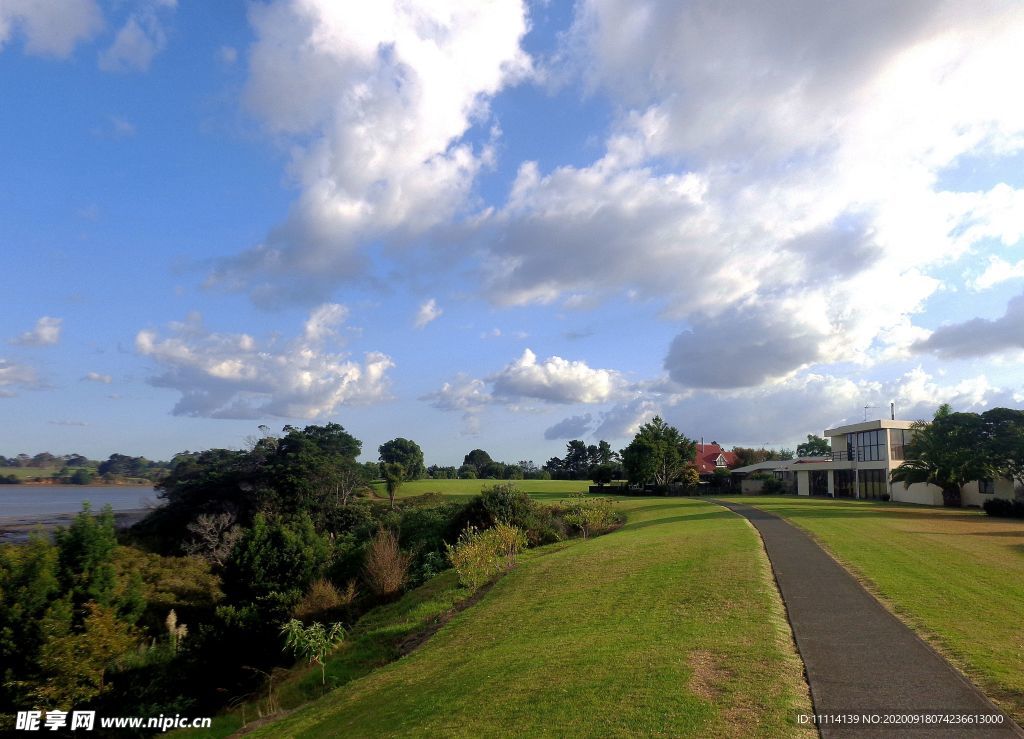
[
  {"x": 870, "y": 446},
  {"x": 873, "y": 484},
  {"x": 987, "y": 487}
]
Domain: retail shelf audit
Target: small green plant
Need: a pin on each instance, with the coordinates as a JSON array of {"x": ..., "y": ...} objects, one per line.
[{"x": 312, "y": 642}]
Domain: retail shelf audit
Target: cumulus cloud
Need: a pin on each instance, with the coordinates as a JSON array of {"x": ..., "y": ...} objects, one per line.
[
  {"x": 998, "y": 270},
  {"x": 428, "y": 312},
  {"x": 978, "y": 337},
  {"x": 805, "y": 191},
  {"x": 574, "y": 427},
  {"x": 15, "y": 376},
  {"x": 140, "y": 39},
  {"x": 45, "y": 333},
  {"x": 323, "y": 321},
  {"x": 623, "y": 420},
  {"x": 234, "y": 376},
  {"x": 741, "y": 350},
  {"x": 465, "y": 394},
  {"x": 555, "y": 380},
  {"x": 49, "y": 27},
  {"x": 375, "y": 100},
  {"x": 783, "y": 413},
  {"x": 97, "y": 377}
]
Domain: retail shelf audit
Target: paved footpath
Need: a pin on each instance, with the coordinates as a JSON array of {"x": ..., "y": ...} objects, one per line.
[{"x": 860, "y": 659}]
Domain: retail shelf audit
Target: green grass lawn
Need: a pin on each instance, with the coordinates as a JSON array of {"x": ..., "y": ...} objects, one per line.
[
  {"x": 956, "y": 576},
  {"x": 539, "y": 489},
  {"x": 29, "y": 473},
  {"x": 671, "y": 626}
]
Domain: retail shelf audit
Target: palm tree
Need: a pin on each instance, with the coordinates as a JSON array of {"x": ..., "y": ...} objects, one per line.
[{"x": 948, "y": 452}]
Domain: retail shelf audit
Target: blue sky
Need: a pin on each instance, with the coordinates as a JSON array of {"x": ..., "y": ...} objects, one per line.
[{"x": 504, "y": 225}]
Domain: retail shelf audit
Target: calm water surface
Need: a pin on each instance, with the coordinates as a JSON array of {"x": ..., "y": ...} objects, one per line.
[{"x": 47, "y": 500}]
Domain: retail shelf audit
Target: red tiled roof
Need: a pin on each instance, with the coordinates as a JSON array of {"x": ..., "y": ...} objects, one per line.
[{"x": 706, "y": 460}]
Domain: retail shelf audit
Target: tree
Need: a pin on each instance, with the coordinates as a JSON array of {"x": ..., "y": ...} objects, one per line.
[
  {"x": 406, "y": 453},
  {"x": 85, "y": 551},
  {"x": 949, "y": 452},
  {"x": 576, "y": 461},
  {"x": 602, "y": 474},
  {"x": 477, "y": 459},
  {"x": 659, "y": 453},
  {"x": 394, "y": 476},
  {"x": 1004, "y": 439},
  {"x": 814, "y": 447}
]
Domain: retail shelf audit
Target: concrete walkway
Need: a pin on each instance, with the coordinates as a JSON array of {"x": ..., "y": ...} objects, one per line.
[{"x": 859, "y": 658}]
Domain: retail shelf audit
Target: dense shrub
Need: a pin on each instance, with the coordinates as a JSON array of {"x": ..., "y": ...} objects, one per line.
[
  {"x": 480, "y": 555},
  {"x": 590, "y": 516},
  {"x": 276, "y": 560},
  {"x": 773, "y": 486},
  {"x": 387, "y": 566},
  {"x": 504, "y": 503},
  {"x": 1004, "y": 508}
]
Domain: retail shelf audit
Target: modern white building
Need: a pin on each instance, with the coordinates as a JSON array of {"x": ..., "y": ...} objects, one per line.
[{"x": 863, "y": 455}]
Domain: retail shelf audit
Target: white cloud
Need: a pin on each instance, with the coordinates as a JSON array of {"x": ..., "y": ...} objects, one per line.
[
  {"x": 374, "y": 100},
  {"x": 324, "y": 320},
  {"x": 14, "y": 375},
  {"x": 555, "y": 380},
  {"x": 140, "y": 39},
  {"x": 466, "y": 395},
  {"x": 97, "y": 377},
  {"x": 783, "y": 413},
  {"x": 623, "y": 420},
  {"x": 234, "y": 376},
  {"x": 428, "y": 312},
  {"x": 49, "y": 27},
  {"x": 808, "y": 202},
  {"x": 45, "y": 333},
  {"x": 997, "y": 271}
]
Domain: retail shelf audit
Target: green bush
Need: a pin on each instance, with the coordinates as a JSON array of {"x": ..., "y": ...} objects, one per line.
[
  {"x": 773, "y": 486},
  {"x": 480, "y": 555},
  {"x": 505, "y": 503},
  {"x": 590, "y": 516},
  {"x": 1004, "y": 508}
]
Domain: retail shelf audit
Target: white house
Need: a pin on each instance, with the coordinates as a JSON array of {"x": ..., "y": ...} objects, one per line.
[{"x": 863, "y": 455}]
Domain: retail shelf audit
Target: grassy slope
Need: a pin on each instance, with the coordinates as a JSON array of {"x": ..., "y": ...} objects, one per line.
[
  {"x": 956, "y": 576},
  {"x": 671, "y": 625}
]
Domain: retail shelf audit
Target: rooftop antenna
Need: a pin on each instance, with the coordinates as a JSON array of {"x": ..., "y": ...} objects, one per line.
[{"x": 866, "y": 410}]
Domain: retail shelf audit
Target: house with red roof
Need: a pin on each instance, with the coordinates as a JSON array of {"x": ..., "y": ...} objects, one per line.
[{"x": 711, "y": 457}]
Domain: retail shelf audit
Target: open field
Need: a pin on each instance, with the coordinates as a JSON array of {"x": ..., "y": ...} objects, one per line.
[
  {"x": 671, "y": 625},
  {"x": 28, "y": 473},
  {"x": 956, "y": 576},
  {"x": 539, "y": 489}
]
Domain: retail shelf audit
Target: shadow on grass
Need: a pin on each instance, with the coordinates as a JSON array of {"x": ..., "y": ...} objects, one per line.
[
  {"x": 794, "y": 507},
  {"x": 683, "y": 518}
]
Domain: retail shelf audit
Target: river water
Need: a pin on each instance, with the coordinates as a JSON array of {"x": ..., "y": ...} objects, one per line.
[
  {"x": 25, "y": 501},
  {"x": 28, "y": 508}
]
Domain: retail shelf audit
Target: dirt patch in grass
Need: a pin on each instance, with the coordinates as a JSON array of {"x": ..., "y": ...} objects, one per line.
[{"x": 709, "y": 675}]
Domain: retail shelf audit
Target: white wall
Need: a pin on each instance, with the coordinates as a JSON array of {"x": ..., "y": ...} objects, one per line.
[
  {"x": 970, "y": 496},
  {"x": 919, "y": 493},
  {"x": 803, "y": 482}
]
